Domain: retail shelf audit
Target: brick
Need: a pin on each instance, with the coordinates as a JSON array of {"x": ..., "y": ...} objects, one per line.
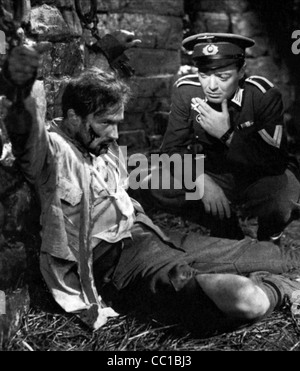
[
  {"x": 154, "y": 122},
  {"x": 166, "y": 7},
  {"x": 138, "y": 121},
  {"x": 140, "y": 104},
  {"x": 261, "y": 47},
  {"x": 206, "y": 5},
  {"x": 41, "y": 2},
  {"x": 288, "y": 95},
  {"x": 45, "y": 65},
  {"x": 247, "y": 24},
  {"x": 153, "y": 62},
  {"x": 151, "y": 121},
  {"x": 153, "y": 86},
  {"x": 73, "y": 22},
  {"x": 7, "y": 4},
  {"x": 134, "y": 140},
  {"x": 63, "y": 59},
  {"x": 155, "y": 31},
  {"x": 65, "y": 3},
  {"x": 217, "y": 6},
  {"x": 211, "y": 22},
  {"x": 47, "y": 23},
  {"x": 238, "y": 6},
  {"x": 132, "y": 121},
  {"x": 96, "y": 60},
  {"x": 265, "y": 66},
  {"x": 54, "y": 90}
]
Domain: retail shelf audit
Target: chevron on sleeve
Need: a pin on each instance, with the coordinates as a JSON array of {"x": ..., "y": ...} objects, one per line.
[{"x": 274, "y": 141}]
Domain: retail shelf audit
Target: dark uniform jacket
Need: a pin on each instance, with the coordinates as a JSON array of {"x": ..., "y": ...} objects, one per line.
[{"x": 259, "y": 144}]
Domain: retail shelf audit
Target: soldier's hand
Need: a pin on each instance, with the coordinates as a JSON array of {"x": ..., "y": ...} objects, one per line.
[
  {"x": 213, "y": 122},
  {"x": 23, "y": 63},
  {"x": 214, "y": 199},
  {"x": 126, "y": 38}
]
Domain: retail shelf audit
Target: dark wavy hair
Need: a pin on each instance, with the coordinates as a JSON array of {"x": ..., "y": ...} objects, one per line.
[{"x": 94, "y": 91}]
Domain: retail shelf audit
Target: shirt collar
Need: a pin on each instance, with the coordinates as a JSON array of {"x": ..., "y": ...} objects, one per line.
[
  {"x": 56, "y": 126},
  {"x": 238, "y": 97}
]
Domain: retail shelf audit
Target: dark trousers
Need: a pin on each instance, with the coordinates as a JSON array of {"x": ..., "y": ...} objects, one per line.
[
  {"x": 148, "y": 274},
  {"x": 260, "y": 208}
]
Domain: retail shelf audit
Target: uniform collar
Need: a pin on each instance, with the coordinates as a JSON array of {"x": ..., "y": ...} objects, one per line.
[{"x": 238, "y": 97}]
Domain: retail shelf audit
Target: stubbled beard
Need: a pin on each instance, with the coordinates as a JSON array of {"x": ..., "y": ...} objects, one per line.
[
  {"x": 101, "y": 148},
  {"x": 87, "y": 140},
  {"x": 92, "y": 135}
]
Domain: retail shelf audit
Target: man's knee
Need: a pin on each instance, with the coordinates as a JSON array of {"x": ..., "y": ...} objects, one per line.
[
  {"x": 250, "y": 302},
  {"x": 236, "y": 296}
]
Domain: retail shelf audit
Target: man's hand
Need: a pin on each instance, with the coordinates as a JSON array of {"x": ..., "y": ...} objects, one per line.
[
  {"x": 214, "y": 199},
  {"x": 23, "y": 63},
  {"x": 213, "y": 122},
  {"x": 126, "y": 38}
]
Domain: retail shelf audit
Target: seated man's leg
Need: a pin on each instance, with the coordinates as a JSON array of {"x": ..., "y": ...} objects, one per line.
[
  {"x": 273, "y": 200},
  {"x": 217, "y": 302},
  {"x": 236, "y": 296},
  {"x": 155, "y": 277},
  {"x": 252, "y": 298}
]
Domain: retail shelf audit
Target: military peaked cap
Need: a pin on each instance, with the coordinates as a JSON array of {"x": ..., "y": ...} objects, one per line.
[{"x": 215, "y": 50}]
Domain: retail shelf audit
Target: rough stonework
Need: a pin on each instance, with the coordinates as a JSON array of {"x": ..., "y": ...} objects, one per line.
[{"x": 157, "y": 58}]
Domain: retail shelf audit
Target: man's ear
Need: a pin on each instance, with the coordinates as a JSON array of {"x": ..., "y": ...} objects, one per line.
[
  {"x": 73, "y": 119},
  {"x": 242, "y": 71}
]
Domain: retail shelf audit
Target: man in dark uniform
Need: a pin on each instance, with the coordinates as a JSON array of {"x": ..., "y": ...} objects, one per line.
[{"x": 237, "y": 123}]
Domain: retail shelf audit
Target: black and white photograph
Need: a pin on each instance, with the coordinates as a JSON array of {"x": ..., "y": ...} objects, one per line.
[{"x": 149, "y": 178}]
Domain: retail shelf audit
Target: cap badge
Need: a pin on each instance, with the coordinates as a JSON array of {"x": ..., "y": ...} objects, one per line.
[{"x": 210, "y": 49}]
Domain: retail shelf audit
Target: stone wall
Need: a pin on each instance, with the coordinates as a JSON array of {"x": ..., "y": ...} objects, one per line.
[
  {"x": 161, "y": 26},
  {"x": 156, "y": 60}
]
